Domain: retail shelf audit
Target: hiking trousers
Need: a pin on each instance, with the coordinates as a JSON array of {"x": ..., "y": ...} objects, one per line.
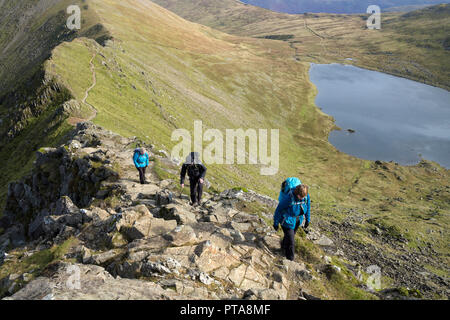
[
  {"x": 142, "y": 174},
  {"x": 196, "y": 190},
  {"x": 288, "y": 243}
]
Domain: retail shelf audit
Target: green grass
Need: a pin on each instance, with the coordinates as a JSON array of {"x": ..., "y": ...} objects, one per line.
[{"x": 307, "y": 250}]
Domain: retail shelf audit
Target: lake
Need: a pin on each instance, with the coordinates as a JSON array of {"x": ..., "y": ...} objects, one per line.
[{"x": 389, "y": 118}]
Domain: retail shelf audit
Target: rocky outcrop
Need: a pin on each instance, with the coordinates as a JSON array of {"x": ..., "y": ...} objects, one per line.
[
  {"x": 63, "y": 180},
  {"x": 90, "y": 282}
]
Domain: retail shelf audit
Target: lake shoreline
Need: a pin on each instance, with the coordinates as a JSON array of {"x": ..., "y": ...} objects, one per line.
[{"x": 380, "y": 116}]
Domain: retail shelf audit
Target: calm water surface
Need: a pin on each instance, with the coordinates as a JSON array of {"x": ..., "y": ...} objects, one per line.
[{"x": 394, "y": 119}]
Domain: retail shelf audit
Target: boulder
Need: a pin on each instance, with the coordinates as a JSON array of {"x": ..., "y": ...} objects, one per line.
[
  {"x": 64, "y": 206},
  {"x": 93, "y": 283},
  {"x": 150, "y": 268},
  {"x": 236, "y": 275},
  {"x": 96, "y": 215},
  {"x": 178, "y": 213},
  {"x": 241, "y": 227},
  {"x": 208, "y": 256},
  {"x": 324, "y": 241},
  {"x": 182, "y": 236},
  {"x": 293, "y": 266},
  {"x": 44, "y": 226},
  {"x": 105, "y": 258},
  {"x": 272, "y": 242},
  {"x": 164, "y": 197},
  {"x": 148, "y": 245},
  {"x": 145, "y": 226}
]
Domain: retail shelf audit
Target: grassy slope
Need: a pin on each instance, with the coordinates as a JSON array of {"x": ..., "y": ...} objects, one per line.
[
  {"x": 162, "y": 72},
  {"x": 30, "y": 30},
  {"x": 408, "y": 45}
]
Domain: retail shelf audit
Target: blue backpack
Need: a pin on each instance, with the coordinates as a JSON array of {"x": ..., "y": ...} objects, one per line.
[{"x": 286, "y": 186}]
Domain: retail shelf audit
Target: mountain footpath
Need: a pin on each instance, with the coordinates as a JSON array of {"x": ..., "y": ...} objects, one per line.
[{"x": 82, "y": 227}]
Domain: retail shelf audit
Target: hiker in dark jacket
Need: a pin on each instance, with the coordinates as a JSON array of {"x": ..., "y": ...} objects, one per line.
[
  {"x": 196, "y": 172},
  {"x": 290, "y": 214},
  {"x": 141, "y": 162}
]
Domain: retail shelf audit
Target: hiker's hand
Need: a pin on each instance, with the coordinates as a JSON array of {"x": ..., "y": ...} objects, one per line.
[
  {"x": 182, "y": 185},
  {"x": 201, "y": 181},
  {"x": 275, "y": 226}
]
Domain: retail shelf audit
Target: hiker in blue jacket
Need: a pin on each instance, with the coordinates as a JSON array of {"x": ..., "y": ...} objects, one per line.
[
  {"x": 290, "y": 214},
  {"x": 141, "y": 161}
]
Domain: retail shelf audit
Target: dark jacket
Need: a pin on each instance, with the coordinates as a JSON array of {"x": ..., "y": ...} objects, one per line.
[{"x": 184, "y": 170}]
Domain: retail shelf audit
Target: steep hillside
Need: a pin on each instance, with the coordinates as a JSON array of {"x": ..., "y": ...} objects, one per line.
[
  {"x": 30, "y": 103},
  {"x": 411, "y": 46},
  {"x": 31, "y": 29},
  {"x": 157, "y": 72}
]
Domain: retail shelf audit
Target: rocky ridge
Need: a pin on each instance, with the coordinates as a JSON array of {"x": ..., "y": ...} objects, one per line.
[{"x": 136, "y": 241}]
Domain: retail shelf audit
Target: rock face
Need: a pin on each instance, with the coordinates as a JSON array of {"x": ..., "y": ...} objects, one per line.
[
  {"x": 89, "y": 282},
  {"x": 62, "y": 180}
]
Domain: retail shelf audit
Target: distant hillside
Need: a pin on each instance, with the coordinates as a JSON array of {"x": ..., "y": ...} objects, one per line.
[
  {"x": 412, "y": 45},
  {"x": 405, "y": 8},
  {"x": 334, "y": 6}
]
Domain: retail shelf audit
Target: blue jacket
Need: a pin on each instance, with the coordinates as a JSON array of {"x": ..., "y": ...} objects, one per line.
[
  {"x": 290, "y": 208},
  {"x": 140, "y": 160}
]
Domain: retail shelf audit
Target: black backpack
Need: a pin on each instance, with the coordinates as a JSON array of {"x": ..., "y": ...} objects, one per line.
[{"x": 193, "y": 170}]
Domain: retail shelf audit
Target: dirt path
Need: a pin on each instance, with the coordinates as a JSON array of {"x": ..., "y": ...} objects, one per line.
[
  {"x": 94, "y": 83},
  {"x": 324, "y": 49}
]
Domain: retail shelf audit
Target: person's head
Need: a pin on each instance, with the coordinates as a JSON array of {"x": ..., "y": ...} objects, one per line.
[
  {"x": 193, "y": 158},
  {"x": 301, "y": 191},
  {"x": 142, "y": 150}
]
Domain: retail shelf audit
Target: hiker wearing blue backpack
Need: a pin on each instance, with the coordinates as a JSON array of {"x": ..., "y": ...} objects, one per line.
[
  {"x": 294, "y": 204},
  {"x": 141, "y": 162}
]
